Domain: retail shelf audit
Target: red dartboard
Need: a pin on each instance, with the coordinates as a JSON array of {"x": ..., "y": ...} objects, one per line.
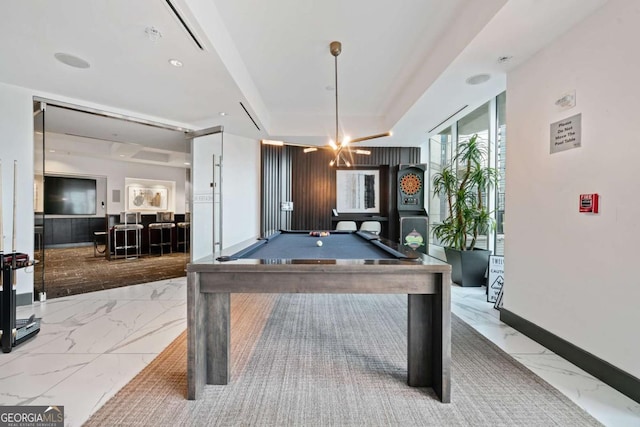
[{"x": 410, "y": 184}]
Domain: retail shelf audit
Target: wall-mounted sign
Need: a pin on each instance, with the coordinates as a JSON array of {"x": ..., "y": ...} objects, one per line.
[
  {"x": 496, "y": 277},
  {"x": 566, "y": 134}
]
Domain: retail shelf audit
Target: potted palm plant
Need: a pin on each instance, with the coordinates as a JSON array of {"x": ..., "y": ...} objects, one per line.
[{"x": 463, "y": 183}]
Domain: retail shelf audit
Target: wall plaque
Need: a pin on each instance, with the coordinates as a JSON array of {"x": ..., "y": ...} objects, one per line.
[{"x": 566, "y": 134}]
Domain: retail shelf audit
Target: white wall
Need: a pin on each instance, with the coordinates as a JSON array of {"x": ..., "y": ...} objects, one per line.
[
  {"x": 116, "y": 172},
  {"x": 242, "y": 170},
  {"x": 16, "y": 143},
  {"x": 574, "y": 274},
  {"x": 241, "y": 189},
  {"x": 203, "y": 150}
]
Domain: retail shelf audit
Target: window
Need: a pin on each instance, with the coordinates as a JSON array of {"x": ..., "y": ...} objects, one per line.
[
  {"x": 489, "y": 123},
  {"x": 501, "y": 155},
  {"x": 477, "y": 122},
  {"x": 440, "y": 149}
]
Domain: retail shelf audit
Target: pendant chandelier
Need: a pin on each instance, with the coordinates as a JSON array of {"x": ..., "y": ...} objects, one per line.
[{"x": 342, "y": 148}]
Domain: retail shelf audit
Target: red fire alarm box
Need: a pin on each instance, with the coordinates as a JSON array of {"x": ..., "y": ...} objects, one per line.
[{"x": 589, "y": 203}]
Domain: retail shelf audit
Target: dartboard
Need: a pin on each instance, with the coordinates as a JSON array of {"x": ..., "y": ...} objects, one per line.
[{"x": 410, "y": 184}]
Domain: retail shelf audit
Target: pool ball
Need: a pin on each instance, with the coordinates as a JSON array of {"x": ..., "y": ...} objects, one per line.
[{"x": 319, "y": 243}]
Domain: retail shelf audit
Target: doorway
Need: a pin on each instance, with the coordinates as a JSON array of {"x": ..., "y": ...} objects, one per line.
[{"x": 79, "y": 145}]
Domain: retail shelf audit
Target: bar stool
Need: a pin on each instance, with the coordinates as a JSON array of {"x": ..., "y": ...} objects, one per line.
[
  {"x": 164, "y": 221},
  {"x": 99, "y": 235},
  {"x": 38, "y": 230},
  {"x": 130, "y": 222},
  {"x": 183, "y": 231},
  {"x": 125, "y": 243},
  {"x": 160, "y": 227}
]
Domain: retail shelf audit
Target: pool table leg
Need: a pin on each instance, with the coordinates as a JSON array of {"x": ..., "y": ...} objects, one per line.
[
  {"x": 208, "y": 321},
  {"x": 218, "y": 306},
  {"x": 196, "y": 345},
  {"x": 429, "y": 340}
]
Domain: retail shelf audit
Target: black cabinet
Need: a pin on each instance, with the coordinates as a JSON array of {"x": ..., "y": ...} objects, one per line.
[{"x": 64, "y": 231}]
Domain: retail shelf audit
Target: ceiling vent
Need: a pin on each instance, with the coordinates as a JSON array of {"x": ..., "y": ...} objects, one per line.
[
  {"x": 151, "y": 156},
  {"x": 442, "y": 122},
  {"x": 184, "y": 24},
  {"x": 246, "y": 111}
]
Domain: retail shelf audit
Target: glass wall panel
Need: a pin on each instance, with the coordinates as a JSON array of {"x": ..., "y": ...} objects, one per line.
[
  {"x": 38, "y": 201},
  {"x": 206, "y": 152},
  {"x": 440, "y": 149},
  {"x": 501, "y": 155},
  {"x": 477, "y": 122},
  {"x": 489, "y": 123}
]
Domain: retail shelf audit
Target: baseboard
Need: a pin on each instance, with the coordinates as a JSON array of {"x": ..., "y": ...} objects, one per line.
[
  {"x": 69, "y": 245},
  {"x": 622, "y": 381},
  {"x": 24, "y": 299}
]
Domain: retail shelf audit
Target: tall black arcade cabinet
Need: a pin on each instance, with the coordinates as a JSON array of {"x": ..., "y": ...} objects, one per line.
[{"x": 414, "y": 221}]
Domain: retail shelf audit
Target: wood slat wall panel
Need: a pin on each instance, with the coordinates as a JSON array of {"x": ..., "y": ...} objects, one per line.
[
  {"x": 313, "y": 189},
  {"x": 270, "y": 193},
  {"x": 309, "y": 181}
]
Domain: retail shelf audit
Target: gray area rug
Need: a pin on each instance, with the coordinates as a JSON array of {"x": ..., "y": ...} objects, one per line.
[{"x": 337, "y": 360}]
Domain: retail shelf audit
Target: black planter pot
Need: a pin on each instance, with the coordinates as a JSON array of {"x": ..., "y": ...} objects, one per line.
[{"x": 468, "y": 268}]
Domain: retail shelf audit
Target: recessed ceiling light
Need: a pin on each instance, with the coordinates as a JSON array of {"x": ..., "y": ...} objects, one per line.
[
  {"x": 222, "y": 113},
  {"x": 478, "y": 79},
  {"x": 52, "y": 151},
  {"x": 187, "y": 163},
  {"x": 71, "y": 60},
  {"x": 175, "y": 62},
  {"x": 121, "y": 155}
]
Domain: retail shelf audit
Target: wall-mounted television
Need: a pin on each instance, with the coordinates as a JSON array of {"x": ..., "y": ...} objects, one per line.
[{"x": 69, "y": 196}]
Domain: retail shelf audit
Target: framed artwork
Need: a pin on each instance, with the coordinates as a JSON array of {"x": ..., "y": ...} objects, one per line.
[
  {"x": 358, "y": 191},
  {"x": 147, "y": 199}
]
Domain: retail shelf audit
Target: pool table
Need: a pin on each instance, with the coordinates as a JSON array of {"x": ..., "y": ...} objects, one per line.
[{"x": 346, "y": 262}]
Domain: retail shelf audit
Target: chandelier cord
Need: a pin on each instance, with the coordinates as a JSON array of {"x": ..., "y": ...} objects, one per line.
[{"x": 336, "y": 80}]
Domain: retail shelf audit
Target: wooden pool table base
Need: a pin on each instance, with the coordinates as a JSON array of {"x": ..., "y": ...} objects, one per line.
[{"x": 429, "y": 311}]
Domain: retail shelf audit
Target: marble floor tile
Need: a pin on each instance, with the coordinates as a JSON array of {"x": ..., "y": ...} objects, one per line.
[
  {"x": 510, "y": 340},
  {"x": 604, "y": 403},
  {"x": 100, "y": 379},
  {"x": 7, "y": 357},
  {"x": 91, "y": 345},
  {"x": 106, "y": 331},
  {"x": 164, "y": 289},
  {"x": 29, "y": 376},
  {"x": 48, "y": 307},
  {"x": 157, "y": 334},
  {"x": 600, "y": 400}
]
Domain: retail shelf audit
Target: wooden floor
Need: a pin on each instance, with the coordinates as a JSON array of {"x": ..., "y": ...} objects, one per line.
[{"x": 70, "y": 271}]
